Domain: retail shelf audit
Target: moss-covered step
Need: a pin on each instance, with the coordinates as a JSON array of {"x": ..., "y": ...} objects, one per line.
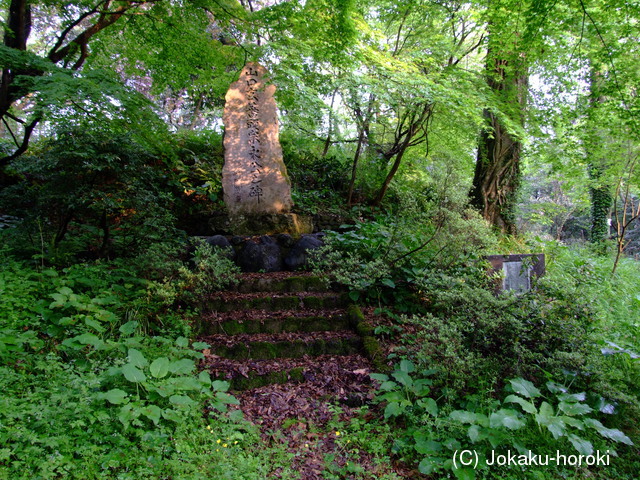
[
  {"x": 273, "y": 346},
  {"x": 275, "y": 322},
  {"x": 228, "y": 302},
  {"x": 370, "y": 343},
  {"x": 257, "y": 282}
]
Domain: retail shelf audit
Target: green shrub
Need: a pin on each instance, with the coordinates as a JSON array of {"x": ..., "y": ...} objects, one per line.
[
  {"x": 383, "y": 259},
  {"x": 433, "y": 433},
  {"x": 91, "y": 194},
  {"x": 319, "y": 183},
  {"x": 469, "y": 329},
  {"x": 63, "y": 422},
  {"x": 89, "y": 393},
  {"x": 577, "y": 272},
  {"x": 212, "y": 270},
  {"x": 198, "y": 160}
]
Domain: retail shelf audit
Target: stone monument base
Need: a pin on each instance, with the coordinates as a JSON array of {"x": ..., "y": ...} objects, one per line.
[{"x": 262, "y": 224}]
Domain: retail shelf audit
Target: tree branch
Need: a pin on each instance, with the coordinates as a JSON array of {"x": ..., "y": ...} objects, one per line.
[
  {"x": 28, "y": 130},
  {"x": 72, "y": 25},
  {"x": 106, "y": 19},
  {"x": 15, "y": 140},
  {"x": 14, "y": 118}
]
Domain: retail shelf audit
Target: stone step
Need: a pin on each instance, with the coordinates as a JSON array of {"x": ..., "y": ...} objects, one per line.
[
  {"x": 265, "y": 321},
  {"x": 243, "y": 375},
  {"x": 263, "y": 346},
  {"x": 282, "y": 282},
  {"x": 231, "y": 301}
]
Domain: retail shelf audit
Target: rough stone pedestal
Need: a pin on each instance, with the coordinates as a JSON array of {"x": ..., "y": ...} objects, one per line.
[{"x": 262, "y": 224}]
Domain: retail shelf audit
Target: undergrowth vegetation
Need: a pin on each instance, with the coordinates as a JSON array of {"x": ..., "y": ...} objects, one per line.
[
  {"x": 100, "y": 289},
  {"x": 550, "y": 370},
  {"x": 100, "y": 380}
]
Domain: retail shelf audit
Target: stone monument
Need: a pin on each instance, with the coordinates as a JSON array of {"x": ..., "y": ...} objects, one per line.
[
  {"x": 517, "y": 272},
  {"x": 257, "y": 190}
]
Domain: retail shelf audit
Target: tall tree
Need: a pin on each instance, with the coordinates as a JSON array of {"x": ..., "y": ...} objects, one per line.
[
  {"x": 587, "y": 104},
  {"x": 497, "y": 174},
  {"x": 600, "y": 189},
  {"x": 183, "y": 57},
  {"x": 428, "y": 41},
  {"x": 411, "y": 56},
  {"x": 611, "y": 34}
]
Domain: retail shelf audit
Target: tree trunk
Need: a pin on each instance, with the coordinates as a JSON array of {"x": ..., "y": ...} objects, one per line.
[
  {"x": 106, "y": 234},
  {"x": 15, "y": 37},
  {"x": 412, "y": 129},
  {"x": 601, "y": 201},
  {"x": 600, "y": 190},
  {"x": 63, "y": 228},
  {"x": 497, "y": 174},
  {"x": 327, "y": 142},
  {"x": 104, "y": 14},
  {"x": 354, "y": 168},
  {"x": 394, "y": 168},
  {"x": 362, "y": 121},
  {"x": 196, "y": 112}
]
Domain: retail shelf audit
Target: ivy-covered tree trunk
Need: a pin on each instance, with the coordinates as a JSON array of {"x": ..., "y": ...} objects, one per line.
[
  {"x": 600, "y": 190},
  {"x": 497, "y": 176},
  {"x": 497, "y": 173},
  {"x": 601, "y": 201}
]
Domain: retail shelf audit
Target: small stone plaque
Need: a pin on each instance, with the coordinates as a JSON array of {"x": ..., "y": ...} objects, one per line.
[
  {"x": 254, "y": 177},
  {"x": 518, "y": 271},
  {"x": 517, "y": 277}
]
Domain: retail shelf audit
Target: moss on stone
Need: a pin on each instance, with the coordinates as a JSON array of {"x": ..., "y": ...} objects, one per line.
[
  {"x": 372, "y": 347},
  {"x": 295, "y": 284},
  {"x": 358, "y": 321},
  {"x": 265, "y": 350},
  {"x": 314, "y": 302},
  {"x": 293, "y": 349},
  {"x": 355, "y": 315},
  {"x": 375, "y": 353},
  {"x": 330, "y": 301},
  {"x": 301, "y": 283},
  {"x": 318, "y": 324},
  {"x": 284, "y": 303},
  {"x": 279, "y": 287},
  {"x": 239, "y": 351},
  {"x": 265, "y": 224},
  {"x": 308, "y": 284},
  {"x": 270, "y": 303},
  {"x": 273, "y": 303},
  {"x": 277, "y": 325},
  {"x": 296, "y": 374},
  {"x": 364, "y": 329},
  {"x": 234, "y": 328}
]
